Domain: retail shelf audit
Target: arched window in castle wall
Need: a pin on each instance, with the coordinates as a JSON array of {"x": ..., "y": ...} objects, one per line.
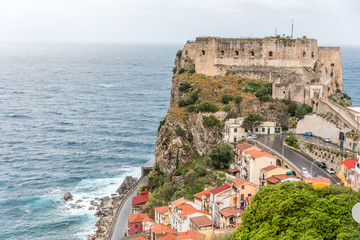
[
  {"x": 332, "y": 65},
  {"x": 304, "y": 54},
  {"x": 312, "y": 54},
  {"x": 236, "y": 53},
  {"x": 186, "y": 52},
  {"x": 222, "y": 52},
  {"x": 271, "y": 54},
  {"x": 202, "y": 52},
  {"x": 252, "y": 53}
]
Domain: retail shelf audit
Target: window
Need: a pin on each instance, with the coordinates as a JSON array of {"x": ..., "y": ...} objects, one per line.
[
  {"x": 235, "y": 129},
  {"x": 249, "y": 194},
  {"x": 312, "y": 54},
  {"x": 186, "y": 52},
  {"x": 242, "y": 187},
  {"x": 246, "y": 130},
  {"x": 222, "y": 52},
  {"x": 271, "y": 54},
  {"x": 136, "y": 232},
  {"x": 235, "y": 140},
  {"x": 252, "y": 53},
  {"x": 136, "y": 226},
  {"x": 263, "y": 129},
  {"x": 332, "y": 65},
  {"x": 236, "y": 53},
  {"x": 202, "y": 52},
  {"x": 304, "y": 54},
  {"x": 256, "y": 129}
]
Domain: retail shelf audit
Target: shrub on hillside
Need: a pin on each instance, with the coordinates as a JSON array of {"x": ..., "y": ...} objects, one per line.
[
  {"x": 179, "y": 53},
  {"x": 191, "y": 70},
  {"x": 221, "y": 156},
  {"x": 252, "y": 120},
  {"x": 226, "y": 98},
  {"x": 180, "y": 132},
  {"x": 182, "y": 70},
  {"x": 226, "y": 108},
  {"x": 238, "y": 99},
  {"x": 207, "y": 107},
  {"x": 292, "y": 141},
  {"x": 174, "y": 70},
  {"x": 302, "y": 110},
  {"x": 231, "y": 114},
  {"x": 184, "y": 86},
  {"x": 211, "y": 121}
]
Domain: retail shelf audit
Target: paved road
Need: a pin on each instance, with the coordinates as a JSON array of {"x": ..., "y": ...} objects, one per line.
[
  {"x": 121, "y": 223},
  {"x": 298, "y": 159}
]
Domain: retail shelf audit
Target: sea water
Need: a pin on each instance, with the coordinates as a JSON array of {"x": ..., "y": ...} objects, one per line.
[{"x": 80, "y": 118}]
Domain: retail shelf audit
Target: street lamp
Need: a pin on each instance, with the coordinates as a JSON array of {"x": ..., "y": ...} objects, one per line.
[
  {"x": 311, "y": 170},
  {"x": 252, "y": 128}
]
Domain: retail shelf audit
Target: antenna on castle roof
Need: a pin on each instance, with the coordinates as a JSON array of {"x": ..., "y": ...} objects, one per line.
[{"x": 292, "y": 28}]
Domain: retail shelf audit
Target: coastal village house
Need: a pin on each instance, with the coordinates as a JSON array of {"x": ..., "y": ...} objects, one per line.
[
  {"x": 276, "y": 179},
  {"x": 347, "y": 173},
  {"x": 220, "y": 198},
  {"x": 233, "y": 132},
  {"x": 139, "y": 222},
  {"x": 181, "y": 211},
  {"x": 162, "y": 215},
  {"x": 203, "y": 199},
  {"x": 230, "y": 217},
  {"x": 240, "y": 153},
  {"x": 253, "y": 162},
  {"x": 242, "y": 189},
  {"x": 138, "y": 202},
  {"x": 202, "y": 224},
  {"x": 271, "y": 170},
  {"x": 159, "y": 230}
]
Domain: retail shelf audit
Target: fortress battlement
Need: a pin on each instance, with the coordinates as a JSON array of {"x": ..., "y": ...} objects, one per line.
[{"x": 299, "y": 68}]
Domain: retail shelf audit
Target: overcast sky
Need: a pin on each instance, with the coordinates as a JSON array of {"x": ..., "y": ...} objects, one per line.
[{"x": 332, "y": 22}]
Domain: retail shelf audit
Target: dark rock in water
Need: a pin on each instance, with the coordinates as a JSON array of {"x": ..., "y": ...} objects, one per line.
[
  {"x": 79, "y": 201},
  {"x": 68, "y": 196},
  {"x": 114, "y": 194},
  {"x": 91, "y": 208},
  {"x": 127, "y": 184},
  {"x": 92, "y": 202},
  {"x": 105, "y": 202}
]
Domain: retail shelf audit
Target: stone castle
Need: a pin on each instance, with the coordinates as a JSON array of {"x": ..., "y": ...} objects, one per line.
[{"x": 298, "y": 68}]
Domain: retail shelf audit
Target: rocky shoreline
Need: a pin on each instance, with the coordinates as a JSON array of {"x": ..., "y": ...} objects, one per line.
[{"x": 106, "y": 208}]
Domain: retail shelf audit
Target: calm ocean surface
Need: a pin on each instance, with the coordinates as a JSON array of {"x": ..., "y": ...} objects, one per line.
[{"x": 80, "y": 118}]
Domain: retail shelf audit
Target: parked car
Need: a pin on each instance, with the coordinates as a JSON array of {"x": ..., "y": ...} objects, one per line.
[
  {"x": 308, "y": 134},
  {"x": 304, "y": 171},
  {"x": 318, "y": 175},
  {"x": 253, "y": 136},
  {"x": 330, "y": 171},
  {"x": 327, "y": 140},
  {"x": 321, "y": 165}
]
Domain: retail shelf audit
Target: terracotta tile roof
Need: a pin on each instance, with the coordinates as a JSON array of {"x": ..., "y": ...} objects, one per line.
[
  {"x": 256, "y": 153},
  {"x": 162, "y": 229},
  {"x": 167, "y": 237},
  {"x": 202, "y": 221},
  {"x": 139, "y": 217},
  {"x": 200, "y": 194},
  {"x": 220, "y": 189},
  {"x": 190, "y": 235},
  {"x": 162, "y": 210},
  {"x": 272, "y": 167},
  {"x": 349, "y": 163},
  {"x": 234, "y": 170},
  {"x": 239, "y": 181},
  {"x": 244, "y": 146},
  {"x": 278, "y": 178},
  {"x": 139, "y": 238},
  {"x": 227, "y": 212},
  {"x": 192, "y": 211},
  {"x": 141, "y": 199},
  {"x": 318, "y": 180},
  {"x": 158, "y": 226},
  {"x": 179, "y": 201}
]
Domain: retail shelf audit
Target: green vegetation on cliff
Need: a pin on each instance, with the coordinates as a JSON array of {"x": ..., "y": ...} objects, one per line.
[
  {"x": 298, "y": 211},
  {"x": 341, "y": 98}
]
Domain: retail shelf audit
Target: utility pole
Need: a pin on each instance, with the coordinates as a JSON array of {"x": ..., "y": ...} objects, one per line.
[{"x": 292, "y": 28}]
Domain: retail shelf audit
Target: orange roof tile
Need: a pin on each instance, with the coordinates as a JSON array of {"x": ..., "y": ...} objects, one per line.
[
  {"x": 233, "y": 170},
  {"x": 271, "y": 167},
  {"x": 139, "y": 238},
  {"x": 240, "y": 181},
  {"x": 220, "y": 189},
  {"x": 202, "y": 221},
  {"x": 256, "y": 154},
  {"x": 179, "y": 201},
  {"x": 227, "y": 212},
  {"x": 317, "y": 180},
  {"x": 139, "y": 217},
  {"x": 158, "y": 226},
  {"x": 200, "y": 194},
  {"x": 278, "y": 178},
  {"x": 162, "y": 210},
  {"x": 167, "y": 237},
  {"x": 244, "y": 146},
  {"x": 190, "y": 235},
  {"x": 349, "y": 163}
]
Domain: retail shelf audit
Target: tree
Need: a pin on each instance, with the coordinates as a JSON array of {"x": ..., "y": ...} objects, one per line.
[
  {"x": 293, "y": 122},
  {"x": 221, "y": 156},
  {"x": 252, "y": 120},
  {"x": 207, "y": 107},
  {"x": 238, "y": 99},
  {"x": 296, "y": 210},
  {"x": 302, "y": 110},
  {"x": 226, "y": 98}
]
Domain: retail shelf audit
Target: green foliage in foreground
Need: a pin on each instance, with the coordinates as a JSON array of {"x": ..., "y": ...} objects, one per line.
[
  {"x": 291, "y": 140},
  {"x": 221, "y": 156},
  {"x": 298, "y": 211}
]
